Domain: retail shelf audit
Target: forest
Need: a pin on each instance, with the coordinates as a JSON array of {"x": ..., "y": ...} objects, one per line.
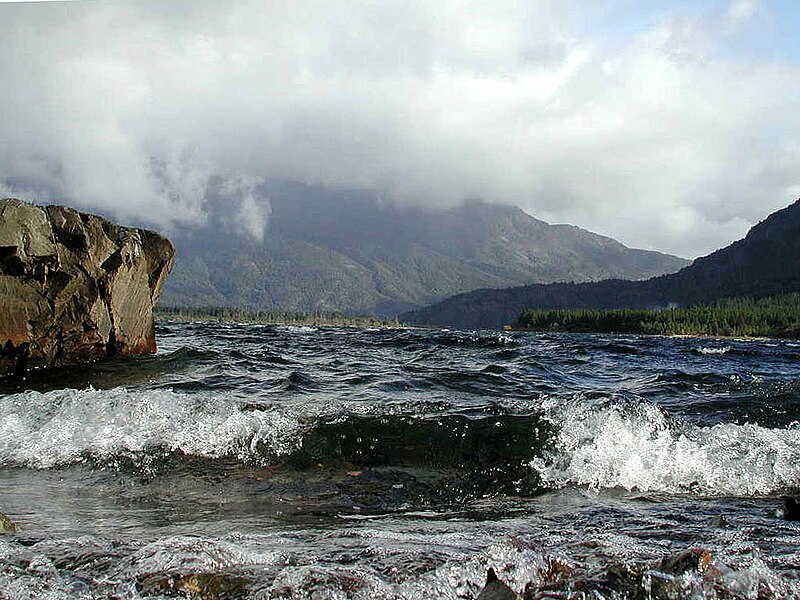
[
  {"x": 283, "y": 317},
  {"x": 773, "y": 316}
]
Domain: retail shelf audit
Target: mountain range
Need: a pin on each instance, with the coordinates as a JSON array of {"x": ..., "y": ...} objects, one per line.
[
  {"x": 355, "y": 253},
  {"x": 765, "y": 262}
]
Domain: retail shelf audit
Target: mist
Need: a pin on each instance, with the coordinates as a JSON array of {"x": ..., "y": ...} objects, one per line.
[{"x": 673, "y": 129}]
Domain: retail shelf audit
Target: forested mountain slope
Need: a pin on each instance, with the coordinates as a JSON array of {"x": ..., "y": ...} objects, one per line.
[{"x": 765, "y": 262}]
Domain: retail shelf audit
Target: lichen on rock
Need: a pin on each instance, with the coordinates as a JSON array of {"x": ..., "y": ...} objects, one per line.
[{"x": 75, "y": 287}]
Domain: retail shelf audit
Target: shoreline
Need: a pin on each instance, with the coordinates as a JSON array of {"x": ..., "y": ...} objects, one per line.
[
  {"x": 269, "y": 318},
  {"x": 700, "y": 336}
]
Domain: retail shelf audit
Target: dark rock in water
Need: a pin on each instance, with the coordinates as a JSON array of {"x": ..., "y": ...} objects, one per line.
[
  {"x": 720, "y": 521},
  {"x": 6, "y": 524},
  {"x": 496, "y": 589},
  {"x": 626, "y": 580},
  {"x": 199, "y": 586},
  {"x": 662, "y": 580},
  {"x": 75, "y": 287},
  {"x": 698, "y": 560},
  {"x": 791, "y": 508},
  {"x": 554, "y": 580}
]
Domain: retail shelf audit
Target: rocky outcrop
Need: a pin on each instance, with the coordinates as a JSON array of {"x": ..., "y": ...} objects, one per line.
[{"x": 75, "y": 287}]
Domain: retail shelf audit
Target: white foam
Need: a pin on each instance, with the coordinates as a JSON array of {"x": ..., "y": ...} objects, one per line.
[
  {"x": 720, "y": 350},
  {"x": 43, "y": 430},
  {"x": 296, "y": 328},
  {"x": 636, "y": 447}
]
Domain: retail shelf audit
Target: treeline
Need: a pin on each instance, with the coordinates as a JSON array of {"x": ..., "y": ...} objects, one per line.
[
  {"x": 283, "y": 317},
  {"x": 774, "y": 316}
]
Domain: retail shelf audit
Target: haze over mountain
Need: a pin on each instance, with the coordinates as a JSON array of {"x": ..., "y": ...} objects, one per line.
[
  {"x": 353, "y": 252},
  {"x": 765, "y": 262}
]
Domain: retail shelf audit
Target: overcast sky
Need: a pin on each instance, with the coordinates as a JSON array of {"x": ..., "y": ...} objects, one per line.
[{"x": 667, "y": 125}]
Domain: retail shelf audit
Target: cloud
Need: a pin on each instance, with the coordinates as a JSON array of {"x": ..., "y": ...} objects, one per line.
[
  {"x": 742, "y": 10},
  {"x": 671, "y": 137}
]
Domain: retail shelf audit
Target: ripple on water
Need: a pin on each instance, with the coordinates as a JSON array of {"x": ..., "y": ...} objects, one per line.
[{"x": 322, "y": 463}]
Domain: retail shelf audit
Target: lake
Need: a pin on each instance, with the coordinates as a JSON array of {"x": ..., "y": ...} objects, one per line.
[{"x": 267, "y": 461}]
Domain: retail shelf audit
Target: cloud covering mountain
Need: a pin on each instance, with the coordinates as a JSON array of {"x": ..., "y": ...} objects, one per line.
[
  {"x": 383, "y": 258},
  {"x": 665, "y": 125}
]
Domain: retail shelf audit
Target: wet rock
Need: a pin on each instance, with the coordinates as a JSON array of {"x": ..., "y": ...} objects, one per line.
[
  {"x": 75, "y": 287},
  {"x": 626, "y": 580},
  {"x": 554, "y": 581},
  {"x": 663, "y": 580},
  {"x": 6, "y": 524},
  {"x": 697, "y": 560},
  {"x": 496, "y": 589},
  {"x": 197, "y": 586},
  {"x": 720, "y": 522},
  {"x": 791, "y": 508}
]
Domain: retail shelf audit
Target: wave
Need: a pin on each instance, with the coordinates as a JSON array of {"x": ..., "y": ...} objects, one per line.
[
  {"x": 295, "y": 328},
  {"x": 46, "y": 430},
  {"x": 635, "y": 445},
  {"x": 514, "y": 446},
  {"x": 712, "y": 350},
  {"x": 148, "y": 431}
]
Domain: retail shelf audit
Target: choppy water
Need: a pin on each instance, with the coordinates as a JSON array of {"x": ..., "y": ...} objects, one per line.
[{"x": 285, "y": 462}]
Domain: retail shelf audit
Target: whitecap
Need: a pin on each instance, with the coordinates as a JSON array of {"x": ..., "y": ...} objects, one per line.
[
  {"x": 45, "y": 430},
  {"x": 638, "y": 447},
  {"x": 720, "y": 350}
]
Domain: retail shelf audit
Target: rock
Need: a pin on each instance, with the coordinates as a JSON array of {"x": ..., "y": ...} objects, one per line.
[
  {"x": 791, "y": 508},
  {"x": 6, "y": 524},
  {"x": 198, "y": 586},
  {"x": 720, "y": 522},
  {"x": 75, "y": 287},
  {"x": 496, "y": 589},
  {"x": 664, "y": 580},
  {"x": 697, "y": 560}
]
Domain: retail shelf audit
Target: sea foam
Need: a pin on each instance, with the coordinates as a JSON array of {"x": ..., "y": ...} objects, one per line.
[
  {"x": 636, "y": 446},
  {"x": 45, "y": 430}
]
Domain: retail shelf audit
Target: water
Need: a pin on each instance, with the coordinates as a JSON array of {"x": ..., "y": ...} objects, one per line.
[{"x": 248, "y": 461}]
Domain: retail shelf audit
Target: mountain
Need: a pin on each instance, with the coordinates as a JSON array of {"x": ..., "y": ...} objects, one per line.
[
  {"x": 352, "y": 252},
  {"x": 765, "y": 262}
]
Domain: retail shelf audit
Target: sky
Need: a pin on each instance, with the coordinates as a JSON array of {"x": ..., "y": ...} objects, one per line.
[{"x": 672, "y": 126}]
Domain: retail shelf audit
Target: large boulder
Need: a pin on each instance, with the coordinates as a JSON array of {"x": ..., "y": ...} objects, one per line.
[{"x": 75, "y": 287}]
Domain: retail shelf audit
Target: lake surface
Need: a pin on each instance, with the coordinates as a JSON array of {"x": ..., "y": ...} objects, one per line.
[{"x": 251, "y": 461}]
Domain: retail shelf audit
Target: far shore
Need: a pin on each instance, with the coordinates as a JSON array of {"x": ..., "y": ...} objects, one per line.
[
  {"x": 699, "y": 336},
  {"x": 256, "y": 317}
]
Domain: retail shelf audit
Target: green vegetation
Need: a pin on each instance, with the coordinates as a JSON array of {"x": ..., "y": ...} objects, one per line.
[
  {"x": 283, "y": 317},
  {"x": 775, "y": 316},
  {"x": 766, "y": 262}
]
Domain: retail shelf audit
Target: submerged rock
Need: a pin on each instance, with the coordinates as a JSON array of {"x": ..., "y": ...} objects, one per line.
[
  {"x": 666, "y": 579},
  {"x": 695, "y": 560},
  {"x": 791, "y": 508},
  {"x": 75, "y": 287},
  {"x": 6, "y": 524},
  {"x": 720, "y": 522},
  {"x": 197, "y": 586},
  {"x": 496, "y": 589}
]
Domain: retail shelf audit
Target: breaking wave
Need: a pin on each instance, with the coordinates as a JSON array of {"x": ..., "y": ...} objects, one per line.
[
  {"x": 522, "y": 447},
  {"x": 46, "y": 430},
  {"x": 637, "y": 446}
]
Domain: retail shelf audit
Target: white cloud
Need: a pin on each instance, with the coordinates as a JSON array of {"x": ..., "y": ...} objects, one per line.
[
  {"x": 742, "y": 10},
  {"x": 663, "y": 140},
  {"x": 251, "y": 215}
]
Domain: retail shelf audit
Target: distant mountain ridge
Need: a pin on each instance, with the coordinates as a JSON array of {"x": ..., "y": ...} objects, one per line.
[
  {"x": 351, "y": 252},
  {"x": 765, "y": 262}
]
